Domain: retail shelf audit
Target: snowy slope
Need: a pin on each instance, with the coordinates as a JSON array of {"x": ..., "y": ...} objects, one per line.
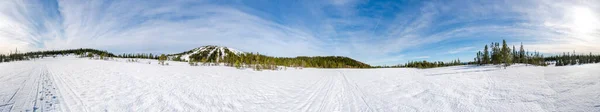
[
  {"x": 209, "y": 50},
  {"x": 72, "y": 84}
]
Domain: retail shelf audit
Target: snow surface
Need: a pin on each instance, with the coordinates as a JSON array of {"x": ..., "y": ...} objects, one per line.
[{"x": 79, "y": 85}]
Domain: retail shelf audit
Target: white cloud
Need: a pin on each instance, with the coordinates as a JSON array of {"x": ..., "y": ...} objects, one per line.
[
  {"x": 563, "y": 26},
  {"x": 13, "y": 29},
  {"x": 459, "y": 50},
  {"x": 151, "y": 27}
]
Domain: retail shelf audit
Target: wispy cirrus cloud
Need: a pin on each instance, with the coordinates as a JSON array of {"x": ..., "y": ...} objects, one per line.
[
  {"x": 459, "y": 50},
  {"x": 148, "y": 27}
]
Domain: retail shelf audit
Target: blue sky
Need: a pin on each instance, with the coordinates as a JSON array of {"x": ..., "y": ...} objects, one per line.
[{"x": 378, "y": 32}]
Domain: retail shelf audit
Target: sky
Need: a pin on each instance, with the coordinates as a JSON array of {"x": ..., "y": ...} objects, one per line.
[{"x": 377, "y": 32}]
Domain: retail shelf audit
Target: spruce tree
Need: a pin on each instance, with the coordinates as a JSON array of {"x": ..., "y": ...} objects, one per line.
[
  {"x": 486, "y": 55},
  {"x": 515, "y": 57},
  {"x": 522, "y": 58},
  {"x": 103, "y": 56},
  {"x": 505, "y": 55},
  {"x": 495, "y": 54},
  {"x": 557, "y": 63},
  {"x": 162, "y": 59},
  {"x": 590, "y": 60},
  {"x": 90, "y": 55},
  {"x": 479, "y": 58},
  {"x": 237, "y": 64},
  {"x": 565, "y": 59},
  {"x": 573, "y": 59}
]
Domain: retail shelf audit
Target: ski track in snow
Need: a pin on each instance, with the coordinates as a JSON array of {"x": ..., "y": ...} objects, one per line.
[
  {"x": 35, "y": 92},
  {"x": 83, "y": 85}
]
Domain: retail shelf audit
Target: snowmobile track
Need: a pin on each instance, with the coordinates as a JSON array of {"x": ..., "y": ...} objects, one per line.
[
  {"x": 47, "y": 95},
  {"x": 355, "y": 90}
]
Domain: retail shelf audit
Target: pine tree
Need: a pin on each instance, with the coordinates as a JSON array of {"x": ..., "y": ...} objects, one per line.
[
  {"x": 90, "y": 55},
  {"x": 237, "y": 64},
  {"x": 558, "y": 63},
  {"x": 522, "y": 58},
  {"x": 103, "y": 56},
  {"x": 515, "y": 57},
  {"x": 486, "y": 55},
  {"x": 590, "y": 60},
  {"x": 573, "y": 59},
  {"x": 162, "y": 59},
  {"x": 505, "y": 54},
  {"x": 496, "y": 55},
  {"x": 204, "y": 61},
  {"x": 178, "y": 58},
  {"x": 478, "y": 59},
  {"x": 564, "y": 59}
]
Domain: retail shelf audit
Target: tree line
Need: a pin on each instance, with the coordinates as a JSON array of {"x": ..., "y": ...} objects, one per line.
[
  {"x": 244, "y": 60},
  {"x": 258, "y": 61},
  {"x": 138, "y": 55},
  {"x": 16, "y": 56},
  {"x": 425, "y": 64},
  {"x": 573, "y": 59},
  {"x": 496, "y": 55}
]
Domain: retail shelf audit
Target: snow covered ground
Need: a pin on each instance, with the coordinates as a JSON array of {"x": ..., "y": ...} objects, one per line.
[{"x": 79, "y": 85}]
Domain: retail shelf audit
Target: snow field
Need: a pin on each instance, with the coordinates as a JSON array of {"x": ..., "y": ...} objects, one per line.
[{"x": 79, "y": 85}]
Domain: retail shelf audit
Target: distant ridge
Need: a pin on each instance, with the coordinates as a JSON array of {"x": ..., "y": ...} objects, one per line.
[
  {"x": 222, "y": 54},
  {"x": 210, "y": 54}
]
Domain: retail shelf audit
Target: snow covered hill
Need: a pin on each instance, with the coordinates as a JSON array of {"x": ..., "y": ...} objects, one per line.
[
  {"x": 220, "y": 54},
  {"x": 79, "y": 85},
  {"x": 209, "y": 52}
]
